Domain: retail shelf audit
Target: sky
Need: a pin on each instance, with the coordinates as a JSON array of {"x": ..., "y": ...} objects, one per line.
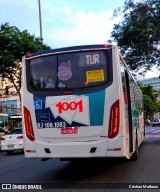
[{"x": 64, "y": 22}]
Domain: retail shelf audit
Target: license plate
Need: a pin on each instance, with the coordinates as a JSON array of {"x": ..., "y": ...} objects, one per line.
[
  {"x": 69, "y": 130},
  {"x": 10, "y": 146}
]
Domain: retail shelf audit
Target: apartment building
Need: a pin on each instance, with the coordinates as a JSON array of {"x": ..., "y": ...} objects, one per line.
[
  {"x": 9, "y": 99},
  {"x": 155, "y": 83}
]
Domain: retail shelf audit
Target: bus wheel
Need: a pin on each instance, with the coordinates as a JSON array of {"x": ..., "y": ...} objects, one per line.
[{"x": 134, "y": 156}]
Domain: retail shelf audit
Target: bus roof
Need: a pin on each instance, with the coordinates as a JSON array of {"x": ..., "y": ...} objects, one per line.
[
  {"x": 69, "y": 49},
  {"x": 15, "y": 116},
  {"x": 3, "y": 115}
]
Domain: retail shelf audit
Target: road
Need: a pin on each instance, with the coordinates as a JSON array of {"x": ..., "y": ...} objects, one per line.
[
  {"x": 153, "y": 131},
  {"x": 16, "y": 169}
]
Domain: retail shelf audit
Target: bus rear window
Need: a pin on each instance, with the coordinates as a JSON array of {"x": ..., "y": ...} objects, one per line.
[{"x": 69, "y": 71}]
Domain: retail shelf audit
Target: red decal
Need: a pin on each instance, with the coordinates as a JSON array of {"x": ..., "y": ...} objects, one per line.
[
  {"x": 69, "y": 130},
  {"x": 64, "y": 106}
]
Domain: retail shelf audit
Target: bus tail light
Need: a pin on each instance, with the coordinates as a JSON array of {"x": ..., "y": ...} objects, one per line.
[
  {"x": 20, "y": 137},
  {"x": 29, "y": 55},
  {"x": 106, "y": 46},
  {"x": 114, "y": 120},
  {"x": 2, "y": 138},
  {"x": 28, "y": 125}
]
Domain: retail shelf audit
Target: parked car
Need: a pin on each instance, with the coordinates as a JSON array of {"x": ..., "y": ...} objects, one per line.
[
  {"x": 12, "y": 141},
  {"x": 2, "y": 133},
  {"x": 147, "y": 122},
  {"x": 155, "y": 122}
]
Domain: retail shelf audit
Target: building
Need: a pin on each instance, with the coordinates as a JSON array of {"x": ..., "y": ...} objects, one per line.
[
  {"x": 9, "y": 99},
  {"x": 10, "y": 104},
  {"x": 155, "y": 83}
]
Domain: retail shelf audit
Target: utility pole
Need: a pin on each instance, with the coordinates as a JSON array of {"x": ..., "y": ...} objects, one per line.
[{"x": 40, "y": 20}]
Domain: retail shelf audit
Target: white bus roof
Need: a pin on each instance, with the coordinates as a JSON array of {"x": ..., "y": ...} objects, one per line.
[{"x": 3, "y": 115}]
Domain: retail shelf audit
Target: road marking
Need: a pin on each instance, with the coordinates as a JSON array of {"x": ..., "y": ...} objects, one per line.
[
  {"x": 150, "y": 130},
  {"x": 152, "y": 136},
  {"x": 156, "y": 131}
]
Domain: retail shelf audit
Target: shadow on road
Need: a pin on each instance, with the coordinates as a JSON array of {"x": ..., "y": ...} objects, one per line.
[{"x": 84, "y": 168}]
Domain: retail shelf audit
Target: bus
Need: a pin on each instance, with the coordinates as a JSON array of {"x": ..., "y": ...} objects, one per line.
[
  {"x": 14, "y": 121},
  {"x": 80, "y": 102}
]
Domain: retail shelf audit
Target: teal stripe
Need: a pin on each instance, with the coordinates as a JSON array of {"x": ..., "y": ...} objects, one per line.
[{"x": 96, "y": 107}]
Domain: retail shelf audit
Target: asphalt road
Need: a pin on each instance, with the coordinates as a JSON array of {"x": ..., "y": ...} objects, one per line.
[{"x": 94, "y": 173}]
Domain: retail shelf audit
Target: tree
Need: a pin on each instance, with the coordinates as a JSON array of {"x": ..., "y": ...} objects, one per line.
[
  {"x": 150, "y": 101},
  {"x": 138, "y": 35},
  {"x": 158, "y": 106},
  {"x": 14, "y": 45}
]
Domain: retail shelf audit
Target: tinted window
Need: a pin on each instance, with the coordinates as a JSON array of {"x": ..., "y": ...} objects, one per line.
[
  {"x": 71, "y": 70},
  {"x": 43, "y": 72},
  {"x": 15, "y": 131}
]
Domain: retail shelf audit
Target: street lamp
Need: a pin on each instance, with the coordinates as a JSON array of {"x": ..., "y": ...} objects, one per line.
[{"x": 40, "y": 20}]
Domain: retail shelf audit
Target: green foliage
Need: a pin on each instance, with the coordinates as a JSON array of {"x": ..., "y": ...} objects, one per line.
[
  {"x": 14, "y": 45},
  {"x": 150, "y": 101},
  {"x": 138, "y": 35},
  {"x": 158, "y": 106}
]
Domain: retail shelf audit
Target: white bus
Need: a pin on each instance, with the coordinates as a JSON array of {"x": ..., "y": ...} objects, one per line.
[
  {"x": 15, "y": 121},
  {"x": 80, "y": 102}
]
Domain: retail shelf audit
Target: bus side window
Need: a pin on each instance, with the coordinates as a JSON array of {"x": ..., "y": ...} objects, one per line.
[{"x": 124, "y": 82}]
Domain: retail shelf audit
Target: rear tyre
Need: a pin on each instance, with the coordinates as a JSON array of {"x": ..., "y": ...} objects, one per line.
[
  {"x": 134, "y": 156},
  {"x": 9, "y": 152}
]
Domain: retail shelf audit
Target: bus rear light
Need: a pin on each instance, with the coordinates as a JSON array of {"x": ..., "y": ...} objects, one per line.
[
  {"x": 30, "y": 151},
  {"x": 2, "y": 139},
  {"x": 106, "y": 46},
  {"x": 68, "y": 93},
  {"x": 28, "y": 125},
  {"x": 114, "y": 120},
  {"x": 117, "y": 149},
  {"x": 29, "y": 55},
  {"x": 20, "y": 137}
]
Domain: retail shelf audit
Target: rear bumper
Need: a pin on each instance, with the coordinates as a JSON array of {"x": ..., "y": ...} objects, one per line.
[
  {"x": 67, "y": 150},
  {"x": 89, "y": 149},
  {"x": 14, "y": 148}
]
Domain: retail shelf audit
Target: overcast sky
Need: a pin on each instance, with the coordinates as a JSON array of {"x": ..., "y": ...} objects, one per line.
[{"x": 64, "y": 22}]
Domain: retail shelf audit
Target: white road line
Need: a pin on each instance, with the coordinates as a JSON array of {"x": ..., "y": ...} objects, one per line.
[
  {"x": 152, "y": 136},
  {"x": 156, "y": 131},
  {"x": 150, "y": 130}
]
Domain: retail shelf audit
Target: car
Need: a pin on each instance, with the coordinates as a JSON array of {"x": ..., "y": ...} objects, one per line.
[
  {"x": 12, "y": 141},
  {"x": 155, "y": 122},
  {"x": 147, "y": 122},
  {"x": 2, "y": 133}
]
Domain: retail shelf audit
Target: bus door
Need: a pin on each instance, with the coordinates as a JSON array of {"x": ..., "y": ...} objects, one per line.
[
  {"x": 127, "y": 98},
  {"x": 129, "y": 112}
]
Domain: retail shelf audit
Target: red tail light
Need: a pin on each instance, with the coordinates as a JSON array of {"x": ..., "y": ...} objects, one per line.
[
  {"x": 2, "y": 139},
  {"x": 28, "y": 125},
  {"x": 114, "y": 120},
  {"x": 20, "y": 137},
  {"x": 29, "y": 55},
  {"x": 106, "y": 46}
]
